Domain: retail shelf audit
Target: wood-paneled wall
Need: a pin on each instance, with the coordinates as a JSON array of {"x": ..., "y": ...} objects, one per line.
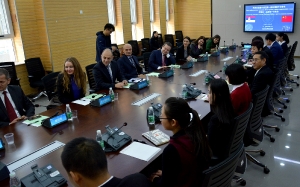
[
  {"x": 55, "y": 30},
  {"x": 193, "y": 17}
]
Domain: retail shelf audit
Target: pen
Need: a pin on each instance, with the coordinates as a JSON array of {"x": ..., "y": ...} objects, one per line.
[{"x": 140, "y": 141}]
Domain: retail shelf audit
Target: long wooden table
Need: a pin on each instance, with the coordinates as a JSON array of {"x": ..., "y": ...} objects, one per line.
[{"x": 90, "y": 119}]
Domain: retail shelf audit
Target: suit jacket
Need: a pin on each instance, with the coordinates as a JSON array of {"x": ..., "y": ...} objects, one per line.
[
  {"x": 155, "y": 60},
  {"x": 127, "y": 69},
  {"x": 64, "y": 96},
  {"x": 134, "y": 180},
  {"x": 270, "y": 59},
  {"x": 284, "y": 47},
  {"x": 263, "y": 78},
  {"x": 22, "y": 103},
  {"x": 102, "y": 77},
  {"x": 180, "y": 53},
  {"x": 277, "y": 52}
]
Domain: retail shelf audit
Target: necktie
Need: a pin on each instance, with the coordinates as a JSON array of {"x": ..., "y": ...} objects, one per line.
[
  {"x": 10, "y": 109},
  {"x": 110, "y": 73},
  {"x": 131, "y": 60},
  {"x": 164, "y": 60}
]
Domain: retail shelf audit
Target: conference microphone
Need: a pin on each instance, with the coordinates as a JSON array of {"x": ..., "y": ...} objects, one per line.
[{"x": 109, "y": 130}]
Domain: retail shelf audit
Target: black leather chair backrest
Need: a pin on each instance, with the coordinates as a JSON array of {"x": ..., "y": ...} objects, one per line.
[
  {"x": 145, "y": 44},
  {"x": 49, "y": 82},
  {"x": 291, "y": 62},
  {"x": 254, "y": 129},
  {"x": 169, "y": 38},
  {"x": 115, "y": 45},
  {"x": 35, "y": 68},
  {"x": 146, "y": 57},
  {"x": 179, "y": 36},
  {"x": 160, "y": 40},
  {"x": 11, "y": 68},
  {"x": 135, "y": 47},
  {"x": 239, "y": 128},
  {"x": 89, "y": 73},
  {"x": 221, "y": 174}
]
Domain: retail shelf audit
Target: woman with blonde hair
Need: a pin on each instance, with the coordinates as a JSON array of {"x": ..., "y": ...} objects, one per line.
[{"x": 71, "y": 83}]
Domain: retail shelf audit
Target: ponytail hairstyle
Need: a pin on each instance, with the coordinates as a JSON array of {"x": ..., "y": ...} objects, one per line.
[
  {"x": 221, "y": 101},
  {"x": 189, "y": 121}
]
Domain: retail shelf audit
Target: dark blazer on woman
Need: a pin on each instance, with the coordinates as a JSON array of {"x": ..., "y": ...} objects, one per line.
[
  {"x": 22, "y": 103},
  {"x": 65, "y": 96},
  {"x": 180, "y": 53},
  {"x": 154, "y": 44},
  {"x": 195, "y": 51}
]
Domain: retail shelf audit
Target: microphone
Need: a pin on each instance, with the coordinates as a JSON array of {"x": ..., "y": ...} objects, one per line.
[
  {"x": 38, "y": 105},
  {"x": 224, "y": 43},
  {"x": 125, "y": 124}
]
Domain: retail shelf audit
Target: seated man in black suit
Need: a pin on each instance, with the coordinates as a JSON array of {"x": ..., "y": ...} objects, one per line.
[
  {"x": 161, "y": 58},
  {"x": 129, "y": 64},
  {"x": 107, "y": 71},
  {"x": 260, "y": 76},
  {"x": 15, "y": 106},
  {"x": 86, "y": 165}
]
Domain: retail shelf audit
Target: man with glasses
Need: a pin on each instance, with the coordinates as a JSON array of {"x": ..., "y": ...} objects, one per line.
[
  {"x": 161, "y": 58},
  {"x": 103, "y": 40}
]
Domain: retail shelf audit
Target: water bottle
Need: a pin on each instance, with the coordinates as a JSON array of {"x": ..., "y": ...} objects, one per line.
[
  {"x": 184, "y": 92},
  {"x": 224, "y": 67},
  {"x": 206, "y": 54},
  {"x": 148, "y": 80},
  {"x": 151, "y": 118},
  {"x": 112, "y": 94},
  {"x": 14, "y": 181},
  {"x": 69, "y": 112},
  {"x": 99, "y": 139}
]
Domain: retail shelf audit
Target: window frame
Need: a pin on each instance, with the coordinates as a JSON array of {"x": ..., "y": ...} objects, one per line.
[{"x": 9, "y": 25}]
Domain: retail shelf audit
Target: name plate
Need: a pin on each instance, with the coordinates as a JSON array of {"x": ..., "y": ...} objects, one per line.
[
  {"x": 139, "y": 85},
  {"x": 166, "y": 74},
  {"x": 217, "y": 53},
  {"x": 232, "y": 47},
  {"x": 187, "y": 65},
  {"x": 101, "y": 101},
  {"x": 56, "y": 120}
]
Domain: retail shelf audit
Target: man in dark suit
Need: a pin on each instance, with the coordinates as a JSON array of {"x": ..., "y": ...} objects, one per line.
[
  {"x": 274, "y": 47},
  {"x": 261, "y": 76},
  {"x": 107, "y": 71},
  {"x": 14, "y": 105},
  {"x": 161, "y": 58},
  {"x": 128, "y": 64},
  {"x": 89, "y": 167}
]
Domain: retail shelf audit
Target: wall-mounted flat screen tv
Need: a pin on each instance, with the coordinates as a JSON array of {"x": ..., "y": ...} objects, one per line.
[{"x": 269, "y": 17}]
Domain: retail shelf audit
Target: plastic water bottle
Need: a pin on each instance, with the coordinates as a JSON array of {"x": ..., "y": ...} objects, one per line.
[
  {"x": 112, "y": 94},
  {"x": 151, "y": 118},
  {"x": 69, "y": 112},
  {"x": 224, "y": 67},
  {"x": 99, "y": 139},
  {"x": 206, "y": 54},
  {"x": 148, "y": 80},
  {"x": 14, "y": 181},
  {"x": 184, "y": 92}
]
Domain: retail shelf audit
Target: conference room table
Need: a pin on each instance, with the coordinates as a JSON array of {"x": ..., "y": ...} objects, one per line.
[{"x": 90, "y": 119}]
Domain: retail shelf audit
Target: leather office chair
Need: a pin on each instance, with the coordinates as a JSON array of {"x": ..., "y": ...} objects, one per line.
[
  {"x": 135, "y": 49},
  {"x": 146, "y": 57},
  {"x": 254, "y": 132},
  {"x": 160, "y": 40},
  {"x": 36, "y": 72},
  {"x": 179, "y": 38},
  {"x": 11, "y": 68},
  {"x": 222, "y": 173},
  {"x": 170, "y": 38},
  {"x": 49, "y": 82},
  {"x": 116, "y": 53},
  {"x": 291, "y": 64},
  {"x": 145, "y": 45},
  {"x": 90, "y": 75}
]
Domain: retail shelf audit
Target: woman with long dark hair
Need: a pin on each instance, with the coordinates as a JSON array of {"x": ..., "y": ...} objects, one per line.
[
  {"x": 188, "y": 152},
  {"x": 71, "y": 83},
  {"x": 221, "y": 123},
  {"x": 184, "y": 51},
  {"x": 213, "y": 43},
  {"x": 283, "y": 40},
  {"x": 198, "y": 47},
  {"x": 154, "y": 43}
]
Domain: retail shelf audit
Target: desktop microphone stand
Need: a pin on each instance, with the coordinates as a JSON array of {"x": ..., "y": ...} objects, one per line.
[{"x": 115, "y": 141}]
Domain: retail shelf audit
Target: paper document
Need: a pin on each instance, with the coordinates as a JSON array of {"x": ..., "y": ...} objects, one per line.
[
  {"x": 153, "y": 74},
  {"x": 36, "y": 122},
  {"x": 140, "y": 151},
  {"x": 82, "y": 101},
  {"x": 93, "y": 96},
  {"x": 174, "y": 66}
]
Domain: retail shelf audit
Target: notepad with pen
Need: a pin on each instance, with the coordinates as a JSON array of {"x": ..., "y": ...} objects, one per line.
[{"x": 157, "y": 137}]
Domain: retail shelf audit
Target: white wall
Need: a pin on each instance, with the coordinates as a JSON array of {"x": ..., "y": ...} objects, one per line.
[{"x": 227, "y": 21}]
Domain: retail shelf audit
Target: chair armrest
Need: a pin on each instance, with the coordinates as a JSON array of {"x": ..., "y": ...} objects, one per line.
[{"x": 48, "y": 72}]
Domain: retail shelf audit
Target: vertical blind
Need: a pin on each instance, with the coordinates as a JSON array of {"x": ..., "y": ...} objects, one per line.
[
  {"x": 167, "y": 10},
  {"x": 111, "y": 12},
  {"x": 151, "y": 10},
  {"x": 133, "y": 12}
]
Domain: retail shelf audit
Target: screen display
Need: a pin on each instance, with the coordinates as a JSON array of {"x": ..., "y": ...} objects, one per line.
[
  {"x": 1, "y": 144},
  {"x": 104, "y": 100},
  {"x": 58, "y": 119},
  {"x": 271, "y": 17}
]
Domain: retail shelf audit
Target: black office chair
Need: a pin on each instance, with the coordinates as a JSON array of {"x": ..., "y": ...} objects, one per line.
[
  {"x": 291, "y": 64},
  {"x": 11, "y": 68},
  {"x": 170, "y": 38},
  {"x": 36, "y": 72},
  {"x": 145, "y": 45},
  {"x": 90, "y": 75},
  {"x": 179, "y": 38},
  {"x": 146, "y": 57},
  {"x": 49, "y": 82},
  {"x": 135, "y": 49},
  {"x": 254, "y": 132},
  {"x": 116, "y": 53},
  {"x": 160, "y": 40},
  {"x": 221, "y": 174}
]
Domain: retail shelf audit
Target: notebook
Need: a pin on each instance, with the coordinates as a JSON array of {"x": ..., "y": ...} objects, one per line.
[{"x": 157, "y": 137}]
